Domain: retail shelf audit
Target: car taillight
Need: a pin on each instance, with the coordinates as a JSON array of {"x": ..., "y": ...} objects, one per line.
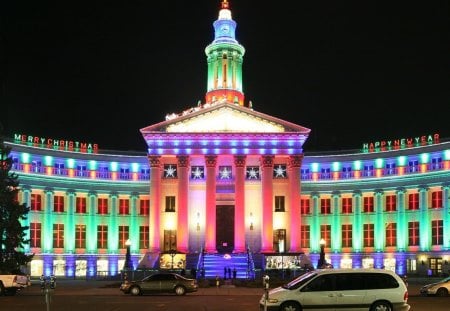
[{"x": 405, "y": 296}]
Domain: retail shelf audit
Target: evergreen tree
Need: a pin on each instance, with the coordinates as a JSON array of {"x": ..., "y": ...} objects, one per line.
[{"x": 12, "y": 233}]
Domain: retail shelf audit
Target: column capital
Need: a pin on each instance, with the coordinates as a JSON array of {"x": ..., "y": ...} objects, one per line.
[
  {"x": 210, "y": 160},
  {"x": 267, "y": 161},
  {"x": 239, "y": 160},
  {"x": 154, "y": 161},
  {"x": 183, "y": 160},
  {"x": 295, "y": 160}
]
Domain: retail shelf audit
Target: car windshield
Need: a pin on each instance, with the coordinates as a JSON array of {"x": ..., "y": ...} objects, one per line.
[
  {"x": 447, "y": 279},
  {"x": 299, "y": 281}
]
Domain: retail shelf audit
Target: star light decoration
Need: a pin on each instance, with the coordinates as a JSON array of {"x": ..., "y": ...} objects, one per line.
[
  {"x": 170, "y": 171},
  {"x": 279, "y": 171},
  {"x": 225, "y": 172},
  {"x": 197, "y": 172},
  {"x": 252, "y": 172}
]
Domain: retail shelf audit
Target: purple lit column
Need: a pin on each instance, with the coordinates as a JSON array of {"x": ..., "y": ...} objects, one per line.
[
  {"x": 295, "y": 162},
  {"x": 155, "y": 199},
  {"x": 239, "y": 211},
  {"x": 183, "y": 186},
  {"x": 210, "y": 229},
  {"x": 267, "y": 202}
]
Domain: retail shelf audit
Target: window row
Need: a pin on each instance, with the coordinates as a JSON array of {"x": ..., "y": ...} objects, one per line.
[
  {"x": 81, "y": 205},
  {"x": 390, "y": 168},
  {"x": 390, "y": 233},
  {"x": 368, "y": 204},
  {"x": 80, "y": 236}
]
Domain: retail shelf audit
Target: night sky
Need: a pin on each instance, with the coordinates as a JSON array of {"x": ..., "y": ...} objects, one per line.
[{"x": 351, "y": 71}]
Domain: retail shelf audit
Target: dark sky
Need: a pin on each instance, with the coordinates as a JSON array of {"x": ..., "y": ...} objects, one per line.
[{"x": 351, "y": 71}]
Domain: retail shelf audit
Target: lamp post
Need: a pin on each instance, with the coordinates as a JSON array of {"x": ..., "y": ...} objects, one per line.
[
  {"x": 128, "y": 264},
  {"x": 172, "y": 253},
  {"x": 321, "y": 262}
]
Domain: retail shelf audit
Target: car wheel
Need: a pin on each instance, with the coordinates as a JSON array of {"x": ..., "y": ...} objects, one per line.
[
  {"x": 2, "y": 289},
  {"x": 442, "y": 292},
  {"x": 135, "y": 291},
  {"x": 290, "y": 306},
  {"x": 381, "y": 306},
  {"x": 180, "y": 290}
]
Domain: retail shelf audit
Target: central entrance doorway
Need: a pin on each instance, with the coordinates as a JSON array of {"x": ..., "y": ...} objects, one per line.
[{"x": 225, "y": 228}]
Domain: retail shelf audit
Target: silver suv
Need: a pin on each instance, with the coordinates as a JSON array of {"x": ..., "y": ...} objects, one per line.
[
  {"x": 349, "y": 289},
  {"x": 440, "y": 288}
]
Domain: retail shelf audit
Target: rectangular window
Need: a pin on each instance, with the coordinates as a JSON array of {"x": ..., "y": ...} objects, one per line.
[
  {"x": 35, "y": 234},
  {"x": 436, "y": 164},
  {"x": 437, "y": 232},
  {"x": 325, "y": 173},
  {"x": 36, "y": 202},
  {"x": 279, "y": 203},
  {"x": 391, "y": 203},
  {"x": 252, "y": 173},
  {"x": 80, "y": 205},
  {"x": 144, "y": 207},
  {"x": 325, "y": 233},
  {"x": 145, "y": 174},
  {"x": 368, "y": 171},
  {"x": 80, "y": 236},
  {"x": 347, "y": 205},
  {"x": 124, "y": 235},
  {"x": 413, "y": 166},
  {"x": 58, "y": 169},
  {"x": 436, "y": 199},
  {"x": 391, "y": 234},
  {"x": 347, "y": 172},
  {"x": 58, "y": 235},
  {"x": 390, "y": 169},
  {"x": 305, "y": 173},
  {"x": 102, "y": 236},
  {"x": 198, "y": 172},
  {"x": 124, "y": 173},
  {"x": 58, "y": 204},
  {"x": 305, "y": 238},
  {"x": 305, "y": 208},
  {"x": 368, "y": 235},
  {"x": 413, "y": 201},
  {"x": 124, "y": 206},
  {"x": 325, "y": 206},
  {"x": 143, "y": 237},
  {"x": 102, "y": 208},
  {"x": 81, "y": 171},
  {"x": 103, "y": 172},
  {"x": 413, "y": 233},
  {"x": 36, "y": 166},
  {"x": 347, "y": 235},
  {"x": 368, "y": 205},
  {"x": 170, "y": 204}
]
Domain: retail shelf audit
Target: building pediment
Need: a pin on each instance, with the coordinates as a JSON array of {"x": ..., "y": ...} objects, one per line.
[{"x": 223, "y": 117}]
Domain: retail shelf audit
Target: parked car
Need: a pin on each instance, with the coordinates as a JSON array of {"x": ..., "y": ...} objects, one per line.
[
  {"x": 339, "y": 289},
  {"x": 160, "y": 283},
  {"x": 440, "y": 288}
]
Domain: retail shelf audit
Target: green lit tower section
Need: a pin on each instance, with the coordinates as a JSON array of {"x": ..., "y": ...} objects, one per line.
[{"x": 225, "y": 56}]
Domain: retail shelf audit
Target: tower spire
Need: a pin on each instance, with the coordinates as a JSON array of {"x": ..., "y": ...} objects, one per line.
[
  {"x": 224, "y": 58},
  {"x": 225, "y": 4}
]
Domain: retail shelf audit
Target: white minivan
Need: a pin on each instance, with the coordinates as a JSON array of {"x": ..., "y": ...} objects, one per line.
[{"x": 340, "y": 289}]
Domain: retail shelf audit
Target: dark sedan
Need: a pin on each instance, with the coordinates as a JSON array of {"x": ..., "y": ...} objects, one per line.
[{"x": 160, "y": 283}]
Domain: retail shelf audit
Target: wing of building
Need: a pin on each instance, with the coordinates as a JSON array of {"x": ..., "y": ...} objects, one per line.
[{"x": 223, "y": 185}]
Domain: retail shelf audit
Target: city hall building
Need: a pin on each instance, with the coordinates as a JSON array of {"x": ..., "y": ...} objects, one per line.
[{"x": 224, "y": 185}]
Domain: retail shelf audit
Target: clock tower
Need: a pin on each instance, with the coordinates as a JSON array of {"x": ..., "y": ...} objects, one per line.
[{"x": 224, "y": 58}]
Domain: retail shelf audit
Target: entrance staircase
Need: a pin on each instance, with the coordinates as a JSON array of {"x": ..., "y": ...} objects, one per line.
[{"x": 215, "y": 264}]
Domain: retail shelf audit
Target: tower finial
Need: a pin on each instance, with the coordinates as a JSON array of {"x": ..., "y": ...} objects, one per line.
[{"x": 225, "y": 4}]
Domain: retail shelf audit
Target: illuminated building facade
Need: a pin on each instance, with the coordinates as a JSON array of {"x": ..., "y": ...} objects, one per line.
[{"x": 222, "y": 178}]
